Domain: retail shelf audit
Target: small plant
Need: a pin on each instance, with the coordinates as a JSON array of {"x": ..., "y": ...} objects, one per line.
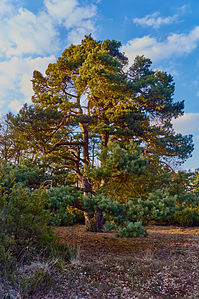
[{"x": 37, "y": 276}]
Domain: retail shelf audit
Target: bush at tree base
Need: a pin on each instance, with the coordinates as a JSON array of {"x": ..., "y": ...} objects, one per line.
[{"x": 24, "y": 228}]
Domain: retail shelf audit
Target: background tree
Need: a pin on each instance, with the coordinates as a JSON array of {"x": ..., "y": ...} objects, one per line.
[
  {"x": 10, "y": 149},
  {"x": 87, "y": 99}
]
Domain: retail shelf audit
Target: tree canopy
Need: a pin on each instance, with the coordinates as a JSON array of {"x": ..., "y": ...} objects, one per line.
[{"x": 100, "y": 118}]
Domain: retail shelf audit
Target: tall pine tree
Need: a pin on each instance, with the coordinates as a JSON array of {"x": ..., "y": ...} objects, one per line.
[{"x": 89, "y": 98}]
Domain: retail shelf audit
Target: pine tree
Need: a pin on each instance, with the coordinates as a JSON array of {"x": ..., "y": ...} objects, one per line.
[{"x": 90, "y": 99}]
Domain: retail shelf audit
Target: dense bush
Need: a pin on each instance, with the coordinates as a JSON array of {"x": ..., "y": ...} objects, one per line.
[
  {"x": 61, "y": 204},
  {"x": 24, "y": 225},
  {"x": 164, "y": 208},
  {"x": 124, "y": 217},
  {"x": 128, "y": 217},
  {"x": 31, "y": 255}
]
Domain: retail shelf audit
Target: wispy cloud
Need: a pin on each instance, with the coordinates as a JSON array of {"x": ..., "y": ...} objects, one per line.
[
  {"x": 187, "y": 124},
  {"x": 155, "y": 20},
  {"x": 173, "y": 46},
  {"x": 184, "y": 9}
]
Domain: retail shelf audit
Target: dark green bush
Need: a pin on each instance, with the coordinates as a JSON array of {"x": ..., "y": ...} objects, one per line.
[
  {"x": 60, "y": 202},
  {"x": 187, "y": 217},
  {"x": 24, "y": 227},
  {"x": 163, "y": 208},
  {"x": 29, "y": 174}
]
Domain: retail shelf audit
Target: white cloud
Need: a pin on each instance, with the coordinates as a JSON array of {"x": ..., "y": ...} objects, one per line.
[
  {"x": 31, "y": 41},
  {"x": 30, "y": 33},
  {"x": 59, "y": 9},
  {"x": 76, "y": 18},
  {"x": 70, "y": 13},
  {"x": 184, "y": 9},
  {"x": 187, "y": 124},
  {"x": 15, "y": 105},
  {"x": 155, "y": 20},
  {"x": 23, "y": 32},
  {"x": 16, "y": 75},
  {"x": 174, "y": 45},
  {"x": 6, "y": 8}
]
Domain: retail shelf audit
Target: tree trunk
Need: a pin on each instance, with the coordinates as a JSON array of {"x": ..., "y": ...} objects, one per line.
[
  {"x": 85, "y": 139},
  {"x": 94, "y": 223},
  {"x": 105, "y": 138}
]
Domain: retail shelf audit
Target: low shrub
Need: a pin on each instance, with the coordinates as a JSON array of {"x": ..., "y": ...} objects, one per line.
[
  {"x": 26, "y": 237},
  {"x": 187, "y": 217},
  {"x": 162, "y": 208},
  {"x": 24, "y": 227}
]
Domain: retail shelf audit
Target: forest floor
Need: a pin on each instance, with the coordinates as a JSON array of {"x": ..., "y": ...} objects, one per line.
[{"x": 163, "y": 265}]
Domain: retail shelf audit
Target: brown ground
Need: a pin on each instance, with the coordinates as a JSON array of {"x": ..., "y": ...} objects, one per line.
[{"x": 163, "y": 265}]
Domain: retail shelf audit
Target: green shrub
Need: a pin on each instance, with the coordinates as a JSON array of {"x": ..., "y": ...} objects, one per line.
[
  {"x": 27, "y": 173},
  {"x": 187, "y": 217},
  {"x": 7, "y": 260},
  {"x": 24, "y": 225},
  {"x": 60, "y": 202},
  {"x": 163, "y": 208},
  {"x": 26, "y": 237}
]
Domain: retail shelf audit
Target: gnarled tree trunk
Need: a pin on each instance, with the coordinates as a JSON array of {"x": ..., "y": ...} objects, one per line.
[{"x": 94, "y": 222}]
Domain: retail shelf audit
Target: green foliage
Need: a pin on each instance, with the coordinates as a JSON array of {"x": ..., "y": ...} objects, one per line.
[
  {"x": 10, "y": 149},
  {"x": 61, "y": 202},
  {"x": 125, "y": 121},
  {"x": 195, "y": 182},
  {"x": 120, "y": 105},
  {"x": 163, "y": 208},
  {"x": 7, "y": 260},
  {"x": 30, "y": 175},
  {"x": 117, "y": 215},
  {"x": 24, "y": 224},
  {"x": 125, "y": 218},
  {"x": 24, "y": 218},
  {"x": 187, "y": 217},
  {"x": 118, "y": 162}
]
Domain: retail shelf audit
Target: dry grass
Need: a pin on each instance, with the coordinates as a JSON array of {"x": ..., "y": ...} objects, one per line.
[{"x": 164, "y": 265}]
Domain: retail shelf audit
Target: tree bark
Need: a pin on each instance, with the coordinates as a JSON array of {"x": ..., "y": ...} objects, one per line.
[
  {"x": 94, "y": 223},
  {"x": 105, "y": 138},
  {"x": 84, "y": 129}
]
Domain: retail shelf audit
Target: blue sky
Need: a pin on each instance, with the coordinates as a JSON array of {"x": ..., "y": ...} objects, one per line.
[{"x": 34, "y": 33}]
